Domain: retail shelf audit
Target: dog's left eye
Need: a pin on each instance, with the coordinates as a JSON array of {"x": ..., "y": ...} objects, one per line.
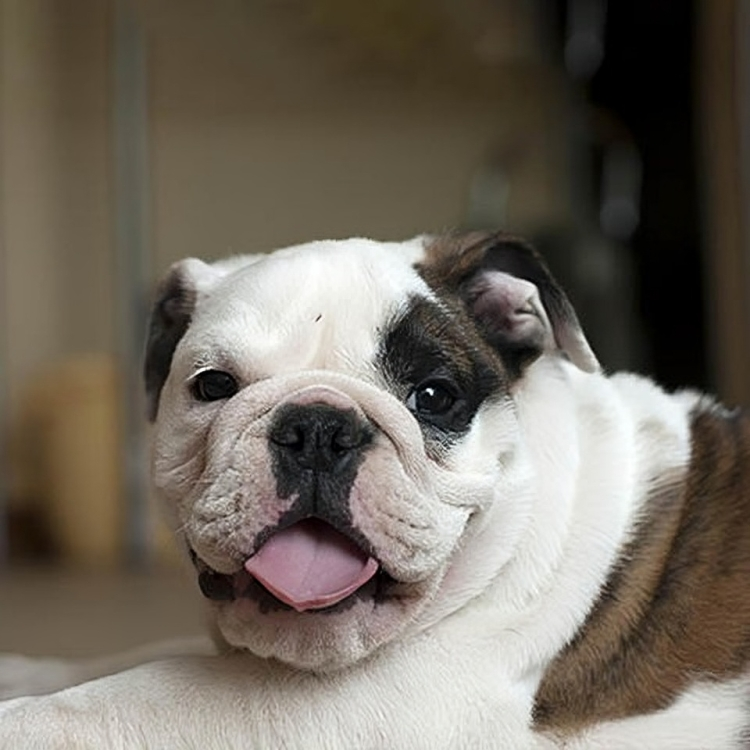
[
  {"x": 431, "y": 399},
  {"x": 214, "y": 385}
]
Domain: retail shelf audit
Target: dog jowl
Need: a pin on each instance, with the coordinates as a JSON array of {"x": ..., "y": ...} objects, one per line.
[{"x": 359, "y": 443}]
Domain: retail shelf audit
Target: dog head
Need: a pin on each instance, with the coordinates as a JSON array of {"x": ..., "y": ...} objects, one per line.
[{"x": 336, "y": 431}]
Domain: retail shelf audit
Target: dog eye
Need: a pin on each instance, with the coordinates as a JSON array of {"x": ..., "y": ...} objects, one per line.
[
  {"x": 431, "y": 399},
  {"x": 214, "y": 385}
]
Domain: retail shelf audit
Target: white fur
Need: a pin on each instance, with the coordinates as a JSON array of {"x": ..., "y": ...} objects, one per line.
[
  {"x": 706, "y": 717},
  {"x": 531, "y": 507}
]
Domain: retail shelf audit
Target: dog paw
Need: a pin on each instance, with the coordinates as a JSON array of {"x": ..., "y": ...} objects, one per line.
[{"x": 23, "y": 675}]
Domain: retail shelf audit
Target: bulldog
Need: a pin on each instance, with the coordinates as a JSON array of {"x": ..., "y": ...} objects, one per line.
[{"x": 422, "y": 517}]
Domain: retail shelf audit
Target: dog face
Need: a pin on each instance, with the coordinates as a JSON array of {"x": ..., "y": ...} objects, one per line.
[{"x": 336, "y": 435}]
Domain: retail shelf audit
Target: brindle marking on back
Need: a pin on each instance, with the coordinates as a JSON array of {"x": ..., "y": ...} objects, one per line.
[{"x": 676, "y": 607}]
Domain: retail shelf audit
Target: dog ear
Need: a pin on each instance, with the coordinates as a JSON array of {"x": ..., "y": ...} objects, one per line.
[
  {"x": 508, "y": 289},
  {"x": 171, "y": 314},
  {"x": 176, "y": 297}
]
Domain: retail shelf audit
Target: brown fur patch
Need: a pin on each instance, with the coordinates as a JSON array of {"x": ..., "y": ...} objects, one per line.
[
  {"x": 428, "y": 342},
  {"x": 452, "y": 258},
  {"x": 676, "y": 608},
  {"x": 452, "y": 332}
]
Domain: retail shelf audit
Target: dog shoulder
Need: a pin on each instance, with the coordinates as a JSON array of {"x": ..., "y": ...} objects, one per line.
[{"x": 667, "y": 637}]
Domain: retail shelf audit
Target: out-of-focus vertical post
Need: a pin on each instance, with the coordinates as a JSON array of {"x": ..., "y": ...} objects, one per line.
[
  {"x": 743, "y": 94},
  {"x": 132, "y": 247},
  {"x": 723, "y": 91},
  {"x": 4, "y": 410}
]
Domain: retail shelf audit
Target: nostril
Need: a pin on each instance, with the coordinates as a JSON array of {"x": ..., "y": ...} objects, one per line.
[
  {"x": 288, "y": 436},
  {"x": 346, "y": 439}
]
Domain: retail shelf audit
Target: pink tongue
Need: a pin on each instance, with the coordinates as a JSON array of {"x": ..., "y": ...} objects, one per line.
[{"x": 311, "y": 565}]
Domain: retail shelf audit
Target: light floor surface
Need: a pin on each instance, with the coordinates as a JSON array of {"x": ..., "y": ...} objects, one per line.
[{"x": 61, "y": 612}]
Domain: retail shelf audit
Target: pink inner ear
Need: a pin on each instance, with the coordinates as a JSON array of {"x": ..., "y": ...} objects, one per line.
[{"x": 511, "y": 307}]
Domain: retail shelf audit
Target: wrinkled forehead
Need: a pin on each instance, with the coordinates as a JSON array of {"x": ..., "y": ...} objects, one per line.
[{"x": 316, "y": 306}]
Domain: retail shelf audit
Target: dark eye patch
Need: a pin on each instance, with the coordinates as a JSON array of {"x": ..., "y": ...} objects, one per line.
[{"x": 436, "y": 362}]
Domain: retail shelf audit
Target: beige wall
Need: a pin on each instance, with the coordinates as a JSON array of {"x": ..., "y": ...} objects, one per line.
[
  {"x": 255, "y": 182},
  {"x": 262, "y": 136},
  {"x": 54, "y": 181}
]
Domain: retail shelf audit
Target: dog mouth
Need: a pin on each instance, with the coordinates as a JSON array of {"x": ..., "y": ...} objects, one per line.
[{"x": 308, "y": 566}]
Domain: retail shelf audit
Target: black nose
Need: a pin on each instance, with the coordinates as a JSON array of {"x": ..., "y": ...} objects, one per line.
[{"x": 318, "y": 437}]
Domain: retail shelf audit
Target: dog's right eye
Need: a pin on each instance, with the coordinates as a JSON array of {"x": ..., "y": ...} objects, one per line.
[
  {"x": 432, "y": 399},
  {"x": 214, "y": 385}
]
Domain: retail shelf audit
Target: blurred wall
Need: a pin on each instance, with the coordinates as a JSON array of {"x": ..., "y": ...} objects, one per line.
[
  {"x": 265, "y": 134},
  {"x": 56, "y": 235}
]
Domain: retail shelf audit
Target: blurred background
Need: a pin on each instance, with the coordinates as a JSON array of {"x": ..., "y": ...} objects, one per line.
[{"x": 134, "y": 133}]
